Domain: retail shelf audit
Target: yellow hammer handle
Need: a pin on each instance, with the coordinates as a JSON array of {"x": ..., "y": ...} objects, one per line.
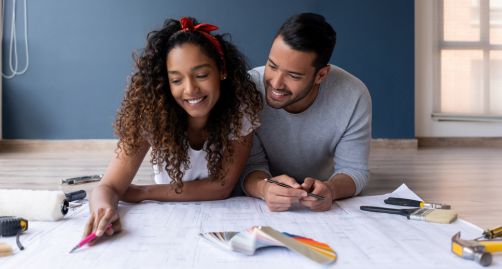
[{"x": 492, "y": 246}]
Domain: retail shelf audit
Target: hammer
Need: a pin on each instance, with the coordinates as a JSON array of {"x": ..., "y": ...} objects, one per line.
[{"x": 478, "y": 250}]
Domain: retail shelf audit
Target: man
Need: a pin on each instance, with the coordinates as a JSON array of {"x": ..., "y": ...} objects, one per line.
[{"x": 316, "y": 127}]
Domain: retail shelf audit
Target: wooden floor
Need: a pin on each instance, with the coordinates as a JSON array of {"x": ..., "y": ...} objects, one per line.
[{"x": 470, "y": 179}]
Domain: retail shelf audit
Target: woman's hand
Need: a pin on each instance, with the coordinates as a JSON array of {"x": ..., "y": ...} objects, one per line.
[
  {"x": 134, "y": 194},
  {"x": 98, "y": 220}
]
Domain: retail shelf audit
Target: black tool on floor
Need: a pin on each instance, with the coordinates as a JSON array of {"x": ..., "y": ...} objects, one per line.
[
  {"x": 10, "y": 226},
  {"x": 82, "y": 179},
  {"x": 414, "y": 203}
]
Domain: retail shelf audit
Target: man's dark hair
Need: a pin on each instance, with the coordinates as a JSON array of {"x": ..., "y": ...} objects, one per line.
[{"x": 309, "y": 32}]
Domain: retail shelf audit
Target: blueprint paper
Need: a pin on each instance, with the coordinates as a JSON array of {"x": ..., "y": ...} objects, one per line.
[{"x": 166, "y": 235}]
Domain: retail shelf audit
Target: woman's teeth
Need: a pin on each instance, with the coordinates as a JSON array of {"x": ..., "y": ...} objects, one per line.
[{"x": 195, "y": 100}]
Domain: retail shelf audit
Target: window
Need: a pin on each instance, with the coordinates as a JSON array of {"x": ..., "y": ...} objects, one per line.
[
  {"x": 458, "y": 68},
  {"x": 470, "y": 60}
]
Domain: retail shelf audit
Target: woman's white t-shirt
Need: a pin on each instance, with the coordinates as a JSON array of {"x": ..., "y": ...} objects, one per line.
[{"x": 198, "y": 162}]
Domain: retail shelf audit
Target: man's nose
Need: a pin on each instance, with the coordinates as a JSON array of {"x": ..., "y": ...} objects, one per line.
[{"x": 277, "y": 81}]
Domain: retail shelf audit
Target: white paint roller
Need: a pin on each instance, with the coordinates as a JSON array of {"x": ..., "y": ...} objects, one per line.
[{"x": 33, "y": 204}]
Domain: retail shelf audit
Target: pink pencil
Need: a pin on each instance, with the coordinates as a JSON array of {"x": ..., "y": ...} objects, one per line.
[{"x": 87, "y": 239}]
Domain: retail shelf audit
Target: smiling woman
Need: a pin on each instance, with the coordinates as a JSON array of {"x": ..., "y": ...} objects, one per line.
[
  {"x": 194, "y": 80},
  {"x": 192, "y": 102}
]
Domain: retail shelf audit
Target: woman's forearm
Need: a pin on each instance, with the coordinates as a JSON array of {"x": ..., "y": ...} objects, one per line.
[
  {"x": 197, "y": 190},
  {"x": 103, "y": 196}
]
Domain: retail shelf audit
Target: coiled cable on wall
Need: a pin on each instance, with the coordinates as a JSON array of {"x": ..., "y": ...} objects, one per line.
[{"x": 13, "y": 55}]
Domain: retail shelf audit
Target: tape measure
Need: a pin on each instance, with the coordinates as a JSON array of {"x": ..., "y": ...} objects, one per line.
[{"x": 10, "y": 226}]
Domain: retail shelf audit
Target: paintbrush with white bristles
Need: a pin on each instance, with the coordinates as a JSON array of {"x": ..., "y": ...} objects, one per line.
[{"x": 423, "y": 214}]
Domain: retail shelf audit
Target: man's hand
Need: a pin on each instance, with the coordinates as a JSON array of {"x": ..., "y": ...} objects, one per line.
[
  {"x": 279, "y": 198},
  {"x": 320, "y": 188}
]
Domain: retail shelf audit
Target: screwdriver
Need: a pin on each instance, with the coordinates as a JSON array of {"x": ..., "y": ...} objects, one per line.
[{"x": 491, "y": 233}]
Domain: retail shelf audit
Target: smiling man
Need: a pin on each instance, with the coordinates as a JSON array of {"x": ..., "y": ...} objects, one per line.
[{"x": 316, "y": 127}]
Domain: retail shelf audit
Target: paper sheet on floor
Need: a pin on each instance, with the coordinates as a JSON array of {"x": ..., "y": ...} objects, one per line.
[{"x": 166, "y": 235}]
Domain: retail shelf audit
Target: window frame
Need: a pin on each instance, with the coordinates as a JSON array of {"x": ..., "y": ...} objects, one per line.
[
  {"x": 482, "y": 45},
  {"x": 428, "y": 122}
]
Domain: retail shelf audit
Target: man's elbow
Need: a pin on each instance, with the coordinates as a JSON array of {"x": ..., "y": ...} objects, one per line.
[{"x": 362, "y": 182}]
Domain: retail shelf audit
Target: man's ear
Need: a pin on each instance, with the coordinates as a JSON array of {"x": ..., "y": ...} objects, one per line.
[{"x": 322, "y": 73}]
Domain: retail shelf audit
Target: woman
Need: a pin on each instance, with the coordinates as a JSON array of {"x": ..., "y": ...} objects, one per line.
[{"x": 192, "y": 102}]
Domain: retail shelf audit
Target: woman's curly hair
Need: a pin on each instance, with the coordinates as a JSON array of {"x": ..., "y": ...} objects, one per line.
[{"x": 149, "y": 113}]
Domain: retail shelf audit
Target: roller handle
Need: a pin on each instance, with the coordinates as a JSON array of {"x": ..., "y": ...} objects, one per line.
[
  {"x": 76, "y": 195},
  {"x": 402, "y": 202}
]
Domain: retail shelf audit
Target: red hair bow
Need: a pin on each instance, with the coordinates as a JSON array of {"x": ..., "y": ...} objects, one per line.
[{"x": 205, "y": 29}]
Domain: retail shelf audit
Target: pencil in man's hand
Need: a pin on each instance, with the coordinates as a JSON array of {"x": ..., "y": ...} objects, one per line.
[{"x": 318, "y": 197}]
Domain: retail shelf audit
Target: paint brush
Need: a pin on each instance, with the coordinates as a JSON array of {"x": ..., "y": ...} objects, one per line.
[
  {"x": 414, "y": 203},
  {"x": 430, "y": 215}
]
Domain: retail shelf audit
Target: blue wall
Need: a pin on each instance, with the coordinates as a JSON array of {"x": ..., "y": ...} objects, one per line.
[{"x": 80, "y": 56}]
